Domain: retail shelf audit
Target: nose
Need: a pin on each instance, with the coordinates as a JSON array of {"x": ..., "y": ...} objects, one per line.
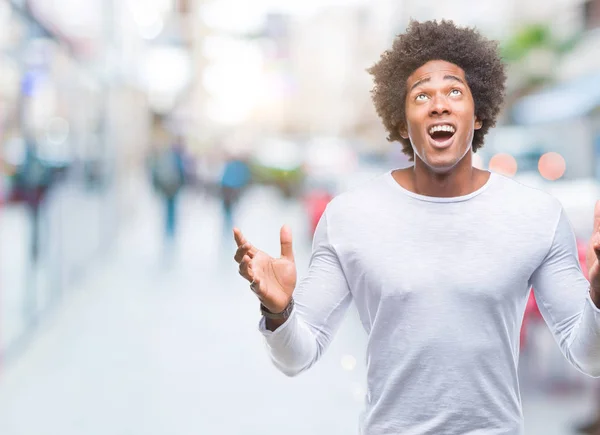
[{"x": 439, "y": 106}]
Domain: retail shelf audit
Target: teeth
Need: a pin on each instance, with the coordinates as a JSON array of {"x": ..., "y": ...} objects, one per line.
[{"x": 448, "y": 128}]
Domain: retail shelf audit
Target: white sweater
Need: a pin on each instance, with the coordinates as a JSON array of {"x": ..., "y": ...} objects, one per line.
[{"x": 440, "y": 285}]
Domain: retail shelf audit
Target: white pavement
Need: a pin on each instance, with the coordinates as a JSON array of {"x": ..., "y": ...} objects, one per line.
[{"x": 149, "y": 347}]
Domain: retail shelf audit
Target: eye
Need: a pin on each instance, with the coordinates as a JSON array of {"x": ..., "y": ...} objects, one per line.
[
  {"x": 421, "y": 97},
  {"x": 455, "y": 92}
]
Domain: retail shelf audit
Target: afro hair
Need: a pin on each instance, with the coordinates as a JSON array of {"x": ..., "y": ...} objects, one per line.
[{"x": 426, "y": 41}]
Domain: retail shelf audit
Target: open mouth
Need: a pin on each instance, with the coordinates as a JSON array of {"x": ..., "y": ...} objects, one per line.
[{"x": 442, "y": 133}]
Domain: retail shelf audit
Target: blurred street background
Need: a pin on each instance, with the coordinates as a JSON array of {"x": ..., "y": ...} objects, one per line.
[{"x": 134, "y": 134}]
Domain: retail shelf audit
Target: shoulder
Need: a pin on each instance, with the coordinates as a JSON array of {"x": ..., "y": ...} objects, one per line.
[
  {"x": 358, "y": 207},
  {"x": 515, "y": 193},
  {"x": 527, "y": 210},
  {"x": 360, "y": 197}
]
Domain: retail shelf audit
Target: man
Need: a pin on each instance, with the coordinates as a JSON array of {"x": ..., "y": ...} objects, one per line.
[
  {"x": 235, "y": 179},
  {"x": 168, "y": 178},
  {"x": 441, "y": 273}
]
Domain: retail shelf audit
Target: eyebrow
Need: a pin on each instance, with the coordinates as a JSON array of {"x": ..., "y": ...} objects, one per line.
[{"x": 428, "y": 79}]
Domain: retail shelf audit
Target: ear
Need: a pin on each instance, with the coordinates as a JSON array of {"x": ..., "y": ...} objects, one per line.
[
  {"x": 478, "y": 124},
  {"x": 403, "y": 130}
]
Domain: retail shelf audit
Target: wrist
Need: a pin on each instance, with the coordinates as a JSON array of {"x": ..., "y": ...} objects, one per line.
[
  {"x": 275, "y": 320},
  {"x": 283, "y": 314}
]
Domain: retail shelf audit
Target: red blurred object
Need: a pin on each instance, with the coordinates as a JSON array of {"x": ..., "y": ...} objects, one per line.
[
  {"x": 532, "y": 311},
  {"x": 316, "y": 201}
]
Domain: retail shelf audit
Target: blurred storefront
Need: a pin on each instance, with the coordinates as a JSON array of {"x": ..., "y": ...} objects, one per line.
[{"x": 68, "y": 112}]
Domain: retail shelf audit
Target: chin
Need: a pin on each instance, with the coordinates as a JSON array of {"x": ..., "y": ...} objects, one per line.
[
  {"x": 441, "y": 167},
  {"x": 440, "y": 163},
  {"x": 443, "y": 161}
]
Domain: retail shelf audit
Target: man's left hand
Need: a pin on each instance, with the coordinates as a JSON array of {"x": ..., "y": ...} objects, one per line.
[{"x": 593, "y": 258}]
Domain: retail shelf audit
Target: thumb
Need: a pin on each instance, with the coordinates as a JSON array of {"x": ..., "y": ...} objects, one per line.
[{"x": 285, "y": 236}]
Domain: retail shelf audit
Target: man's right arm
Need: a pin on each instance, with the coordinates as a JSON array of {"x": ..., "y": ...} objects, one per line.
[{"x": 321, "y": 301}]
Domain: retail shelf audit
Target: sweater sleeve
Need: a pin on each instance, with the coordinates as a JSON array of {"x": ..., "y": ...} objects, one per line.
[
  {"x": 321, "y": 301},
  {"x": 562, "y": 293}
]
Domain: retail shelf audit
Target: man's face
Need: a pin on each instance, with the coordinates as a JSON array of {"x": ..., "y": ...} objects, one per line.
[{"x": 440, "y": 115}]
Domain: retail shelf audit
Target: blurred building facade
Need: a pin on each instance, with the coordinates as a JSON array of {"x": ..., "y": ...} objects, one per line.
[
  {"x": 73, "y": 91},
  {"x": 304, "y": 70}
]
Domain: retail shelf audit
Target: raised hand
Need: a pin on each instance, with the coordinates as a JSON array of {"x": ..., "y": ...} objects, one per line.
[{"x": 272, "y": 279}]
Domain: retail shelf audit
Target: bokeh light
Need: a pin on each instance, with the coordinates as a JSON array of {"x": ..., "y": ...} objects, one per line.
[
  {"x": 359, "y": 392},
  {"x": 552, "y": 166},
  {"x": 504, "y": 164},
  {"x": 348, "y": 362}
]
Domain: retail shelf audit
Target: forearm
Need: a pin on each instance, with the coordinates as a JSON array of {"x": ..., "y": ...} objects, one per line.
[
  {"x": 321, "y": 299},
  {"x": 293, "y": 346},
  {"x": 583, "y": 344},
  {"x": 568, "y": 301}
]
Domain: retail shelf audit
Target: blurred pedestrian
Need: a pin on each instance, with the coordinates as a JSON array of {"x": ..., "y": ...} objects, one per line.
[
  {"x": 315, "y": 201},
  {"x": 32, "y": 180},
  {"x": 234, "y": 180},
  {"x": 439, "y": 257},
  {"x": 168, "y": 178}
]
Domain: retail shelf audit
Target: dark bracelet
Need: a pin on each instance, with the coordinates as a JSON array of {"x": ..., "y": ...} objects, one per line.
[{"x": 284, "y": 315}]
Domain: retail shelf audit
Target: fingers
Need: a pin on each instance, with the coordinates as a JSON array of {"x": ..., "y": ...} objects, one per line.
[
  {"x": 239, "y": 237},
  {"x": 245, "y": 249},
  {"x": 255, "y": 282},
  {"x": 258, "y": 289},
  {"x": 285, "y": 237},
  {"x": 254, "y": 286},
  {"x": 245, "y": 268}
]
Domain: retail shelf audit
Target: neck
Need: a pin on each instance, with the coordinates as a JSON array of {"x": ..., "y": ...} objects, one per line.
[{"x": 460, "y": 180}]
